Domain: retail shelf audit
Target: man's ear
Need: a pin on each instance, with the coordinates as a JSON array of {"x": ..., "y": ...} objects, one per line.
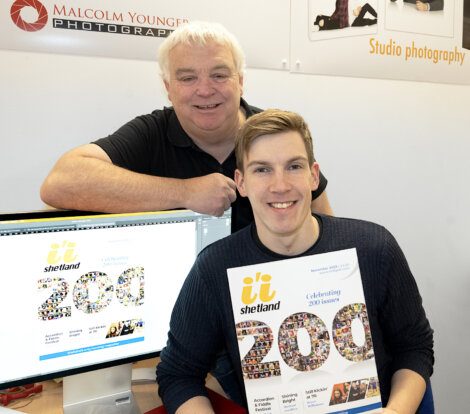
[
  {"x": 240, "y": 182},
  {"x": 315, "y": 173},
  {"x": 167, "y": 87}
]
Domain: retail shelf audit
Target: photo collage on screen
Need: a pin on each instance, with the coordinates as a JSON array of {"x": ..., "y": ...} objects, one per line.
[{"x": 126, "y": 327}]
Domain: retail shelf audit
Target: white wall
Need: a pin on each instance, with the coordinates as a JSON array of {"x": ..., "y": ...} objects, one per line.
[{"x": 394, "y": 152}]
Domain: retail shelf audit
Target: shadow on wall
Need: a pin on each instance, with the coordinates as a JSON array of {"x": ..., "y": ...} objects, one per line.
[{"x": 466, "y": 25}]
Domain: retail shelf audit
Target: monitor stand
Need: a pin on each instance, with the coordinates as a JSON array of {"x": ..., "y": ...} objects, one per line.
[{"x": 104, "y": 391}]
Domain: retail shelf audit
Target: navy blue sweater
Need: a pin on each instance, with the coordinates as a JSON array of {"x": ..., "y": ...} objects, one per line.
[{"x": 202, "y": 322}]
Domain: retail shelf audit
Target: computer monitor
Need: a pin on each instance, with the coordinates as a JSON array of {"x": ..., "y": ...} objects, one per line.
[{"x": 81, "y": 292}]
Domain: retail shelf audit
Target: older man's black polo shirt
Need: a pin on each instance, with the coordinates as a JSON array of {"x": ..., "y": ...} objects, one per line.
[{"x": 156, "y": 144}]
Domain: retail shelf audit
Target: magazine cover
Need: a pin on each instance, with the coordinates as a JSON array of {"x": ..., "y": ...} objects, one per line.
[{"x": 304, "y": 336}]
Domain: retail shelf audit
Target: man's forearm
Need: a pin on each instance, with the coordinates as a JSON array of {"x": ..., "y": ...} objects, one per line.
[
  {"x": 85, "y": 179},
  {"x": 408, "y": 388},
  {"x": 86, "y": 183},
  {"x": 321, "y": 205}
]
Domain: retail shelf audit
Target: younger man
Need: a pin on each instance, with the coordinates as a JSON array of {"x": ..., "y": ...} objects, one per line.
[{"x": 277, "y": 172}]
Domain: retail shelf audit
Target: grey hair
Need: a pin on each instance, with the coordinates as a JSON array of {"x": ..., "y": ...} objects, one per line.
[{"x": 200, "y": 33}]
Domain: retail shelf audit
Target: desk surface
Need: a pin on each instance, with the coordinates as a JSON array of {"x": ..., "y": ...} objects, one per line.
[{"x": 50, "y": 400}]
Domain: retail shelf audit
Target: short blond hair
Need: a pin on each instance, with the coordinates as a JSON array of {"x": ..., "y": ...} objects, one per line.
[{"x": 271, "y": 121}]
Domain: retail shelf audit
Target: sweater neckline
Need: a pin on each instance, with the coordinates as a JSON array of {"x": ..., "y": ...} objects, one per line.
[{"x": 265, "y": 250}]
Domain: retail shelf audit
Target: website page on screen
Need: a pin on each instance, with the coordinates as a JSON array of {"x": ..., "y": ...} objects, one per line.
[{"x": 93, "y": 293}]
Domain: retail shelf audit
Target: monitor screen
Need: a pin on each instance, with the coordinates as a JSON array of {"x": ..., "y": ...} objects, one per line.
[{"x": 83, "y": 291}]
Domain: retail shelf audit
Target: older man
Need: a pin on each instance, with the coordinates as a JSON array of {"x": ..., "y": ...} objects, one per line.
[{"x": 178, "y": 157}]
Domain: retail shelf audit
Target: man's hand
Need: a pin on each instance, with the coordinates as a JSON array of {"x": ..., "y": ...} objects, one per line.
[{"x": 210, "y": 194}]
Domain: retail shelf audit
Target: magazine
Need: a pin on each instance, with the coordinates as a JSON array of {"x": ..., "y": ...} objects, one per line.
[{"x": 304, "y": 336}]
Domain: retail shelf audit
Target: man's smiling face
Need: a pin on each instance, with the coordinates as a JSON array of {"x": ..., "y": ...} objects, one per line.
[
  {"x": 205, "y": 88},
  {"x": 278, "y": 180}
]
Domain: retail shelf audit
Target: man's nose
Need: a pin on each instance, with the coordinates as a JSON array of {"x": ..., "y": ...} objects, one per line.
[
  {"x": 205, "y": 87},
  {"x": 279, "y": 182}
]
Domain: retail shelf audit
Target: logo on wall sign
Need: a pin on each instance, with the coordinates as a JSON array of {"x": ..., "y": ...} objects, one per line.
[{"x": 19, "y": 5}]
